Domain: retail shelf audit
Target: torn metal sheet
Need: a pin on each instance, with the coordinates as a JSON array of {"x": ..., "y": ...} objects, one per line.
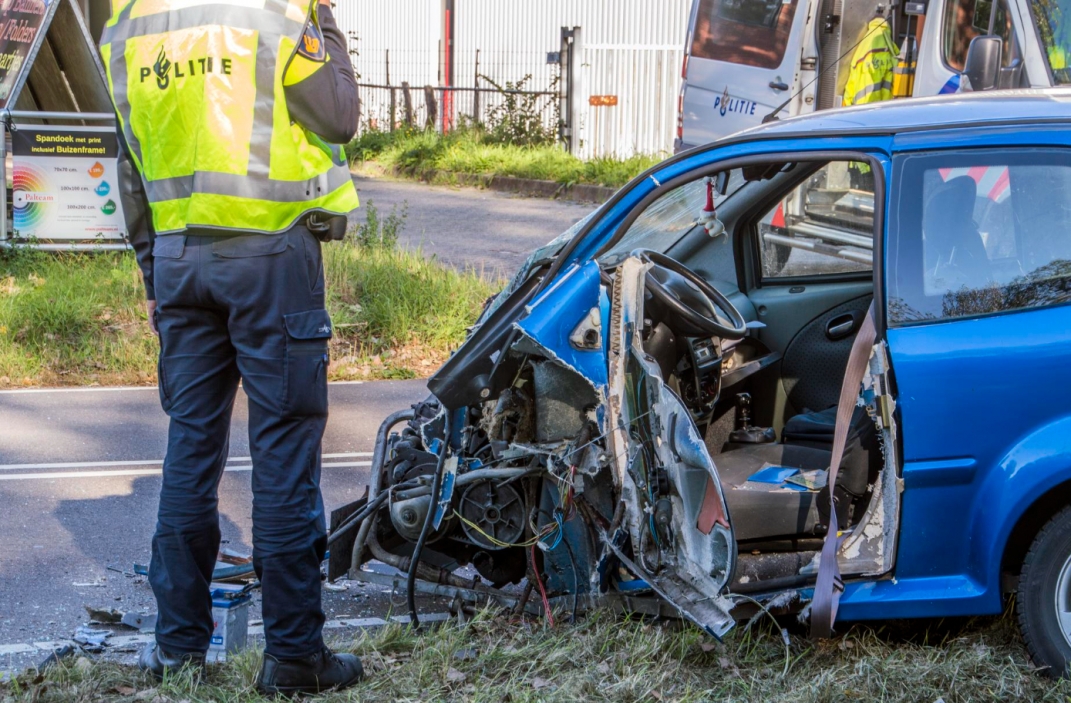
[
  {"x": 871, "y": 549},
  {"x": 139, "y": 621},
  {"x": 554, "y": 317}
]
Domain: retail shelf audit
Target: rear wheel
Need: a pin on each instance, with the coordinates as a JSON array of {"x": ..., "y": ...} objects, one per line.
[{"x": 1044, "y": 598}]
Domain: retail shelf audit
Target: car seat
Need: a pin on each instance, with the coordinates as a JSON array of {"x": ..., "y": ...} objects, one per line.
[
  {"x": 760, "y": 509},
  {"x": 955, "y": 254}
]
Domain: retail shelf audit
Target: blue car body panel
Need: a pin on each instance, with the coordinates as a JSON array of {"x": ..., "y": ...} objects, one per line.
[
  {"x": 983, "y": 404},
  {"x": 557, "y": 311}
]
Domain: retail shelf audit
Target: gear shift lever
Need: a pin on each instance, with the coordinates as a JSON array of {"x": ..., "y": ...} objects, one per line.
[{"x": 745, "y": 433}]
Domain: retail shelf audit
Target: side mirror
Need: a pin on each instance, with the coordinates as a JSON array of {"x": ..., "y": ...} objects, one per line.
[{"x": 982, "y": 67}]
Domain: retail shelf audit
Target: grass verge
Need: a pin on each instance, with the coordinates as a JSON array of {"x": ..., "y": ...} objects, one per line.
[
  {"x": 428, "y": 156},
  {"x": 79, "y": 319},
  {"x": 603, "y": 658}
]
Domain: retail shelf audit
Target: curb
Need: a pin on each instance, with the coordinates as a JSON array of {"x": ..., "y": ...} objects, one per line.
[{"x": 525, "y": 187}]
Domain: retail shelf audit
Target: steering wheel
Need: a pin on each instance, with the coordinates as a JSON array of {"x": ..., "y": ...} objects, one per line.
[{"x": 690, "y": 302}]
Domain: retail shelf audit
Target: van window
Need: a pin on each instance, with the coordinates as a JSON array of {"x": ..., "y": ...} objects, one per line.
[
  {"x": 967, "y": 19},
  {"x": 1053, "y": 23},
  {"x": 745, "y": 32},
  {"x": 991, "y": 235}
]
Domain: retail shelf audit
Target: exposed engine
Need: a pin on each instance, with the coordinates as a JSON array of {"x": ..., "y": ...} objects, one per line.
[
  {"x": 511, "y": 491},
  {"x": 569, "y": 453}
]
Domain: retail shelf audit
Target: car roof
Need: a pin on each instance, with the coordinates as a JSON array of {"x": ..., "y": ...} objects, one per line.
[{"x": 961, "y": 110}]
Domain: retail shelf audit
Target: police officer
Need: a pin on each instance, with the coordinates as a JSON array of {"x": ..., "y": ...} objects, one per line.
[{"x": 232, "y": 113}]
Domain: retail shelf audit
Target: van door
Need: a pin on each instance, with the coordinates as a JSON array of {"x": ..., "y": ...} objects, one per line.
[{"x": 744, "y": 56}]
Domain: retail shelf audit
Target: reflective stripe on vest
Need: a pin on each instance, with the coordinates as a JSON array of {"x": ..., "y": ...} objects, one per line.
[
  {"x": 198, "y": 88},
  {"x": 864, "y": 95}
]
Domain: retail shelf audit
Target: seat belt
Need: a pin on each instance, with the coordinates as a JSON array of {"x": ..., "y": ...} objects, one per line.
[{"x": 829, "y": 586}]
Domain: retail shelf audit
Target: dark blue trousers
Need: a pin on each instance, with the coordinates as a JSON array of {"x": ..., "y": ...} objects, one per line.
[{"x": 250, "y": 309}]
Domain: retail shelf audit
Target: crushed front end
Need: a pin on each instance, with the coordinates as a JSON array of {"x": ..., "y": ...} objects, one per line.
[{"x": 552, "y": 450}]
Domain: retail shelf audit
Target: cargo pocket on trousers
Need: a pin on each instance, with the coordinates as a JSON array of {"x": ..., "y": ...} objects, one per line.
[
  {"x": 165, "y": 397},
  {"x": 161, "y": 381},
  {"x": 307, "y": 334}
]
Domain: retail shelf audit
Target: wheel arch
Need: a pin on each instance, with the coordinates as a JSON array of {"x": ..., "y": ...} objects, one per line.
[{"x": 1033, "y": 518}]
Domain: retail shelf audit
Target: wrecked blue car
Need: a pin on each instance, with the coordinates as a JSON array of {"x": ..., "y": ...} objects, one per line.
[{"x": 647, "y": 417}]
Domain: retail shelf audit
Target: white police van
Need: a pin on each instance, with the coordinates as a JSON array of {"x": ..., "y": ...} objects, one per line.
[{"x": 744, "y": 59}]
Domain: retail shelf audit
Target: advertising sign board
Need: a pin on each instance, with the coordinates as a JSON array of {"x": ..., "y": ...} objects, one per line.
[
  {"x": 64, "y": 184},
  {"x": 20, "y": 23}
]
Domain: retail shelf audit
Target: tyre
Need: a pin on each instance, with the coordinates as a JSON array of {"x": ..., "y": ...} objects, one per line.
[
  {"x": 1044, "y": 598},
  {"x": 780, "y": 258}
]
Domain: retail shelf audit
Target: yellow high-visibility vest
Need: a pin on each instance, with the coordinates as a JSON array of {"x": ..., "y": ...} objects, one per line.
[
  {"x": 1057, "y": 58},
  {"x": 198, "y": 87},
  {"x": 870, "y": 79}
]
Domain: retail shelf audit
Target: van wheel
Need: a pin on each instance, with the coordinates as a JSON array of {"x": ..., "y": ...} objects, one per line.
[{"x": 1044, "y": 598}]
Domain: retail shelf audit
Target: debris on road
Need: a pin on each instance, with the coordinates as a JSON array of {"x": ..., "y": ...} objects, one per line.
[
  {"x": 99, "y": 616},
  {"x": 232, "y": 566},
  {"x": 91, "y": 640},
  {"x": 139, "y": 621},
  {"x": 55, "y": 656},
  {"x": 111, "y": 616}
]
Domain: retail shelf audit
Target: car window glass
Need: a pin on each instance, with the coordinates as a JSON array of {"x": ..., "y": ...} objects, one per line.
[
  {"x": 746, "y": 32},
  {"x": 967, "y": 19},
  {"x": 824, "y": 226},
  {"x": 1053, "y": 22},
  {"x": 669, "y": 218},
  {"x": 991, "y": 236}
]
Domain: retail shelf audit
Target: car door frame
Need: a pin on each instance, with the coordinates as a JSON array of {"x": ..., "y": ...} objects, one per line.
[
  {"x": 866, "y": 149},
  {"x": 822, "y": 287}
]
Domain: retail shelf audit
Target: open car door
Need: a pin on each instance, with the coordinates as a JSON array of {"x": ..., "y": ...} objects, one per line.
[{"x": 675, "y": 518}]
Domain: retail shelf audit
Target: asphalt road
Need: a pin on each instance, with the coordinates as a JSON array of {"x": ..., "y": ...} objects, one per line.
[
  {"x": 79, "y": 484},
  {"x": 468, "y": 228}
]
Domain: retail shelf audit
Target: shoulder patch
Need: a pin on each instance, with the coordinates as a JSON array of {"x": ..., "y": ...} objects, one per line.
[{"x": 311, "y": 45}]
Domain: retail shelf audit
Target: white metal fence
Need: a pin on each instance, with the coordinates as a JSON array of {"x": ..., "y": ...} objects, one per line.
[
  {"x": 631, "y": 49},
  {"x": 646, "y": 79}
]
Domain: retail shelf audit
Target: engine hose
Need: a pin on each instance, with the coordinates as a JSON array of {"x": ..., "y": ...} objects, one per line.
[
  {"x": 378, "y": 459},
  {"x": 425, "y": 572},
  {"x": 436, "y": 484}
]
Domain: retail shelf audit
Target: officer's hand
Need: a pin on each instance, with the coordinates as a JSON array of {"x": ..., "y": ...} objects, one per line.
[
  {"x": 326, "y": 2},
  {"x": 150, "y": 306}
]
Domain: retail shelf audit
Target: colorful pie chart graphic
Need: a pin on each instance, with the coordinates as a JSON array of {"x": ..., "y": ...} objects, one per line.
[{"x": 32, "y": 201}]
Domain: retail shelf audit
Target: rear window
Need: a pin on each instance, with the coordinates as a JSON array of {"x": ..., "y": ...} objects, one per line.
[
  {"x": 746, "y": 32},
  {"x": 985, "y": 232}
]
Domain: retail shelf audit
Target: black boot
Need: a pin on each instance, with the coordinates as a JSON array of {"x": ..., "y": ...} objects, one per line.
[
  {"x": 325, "y": 671},
  {"x": 157, "y": 661}
]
